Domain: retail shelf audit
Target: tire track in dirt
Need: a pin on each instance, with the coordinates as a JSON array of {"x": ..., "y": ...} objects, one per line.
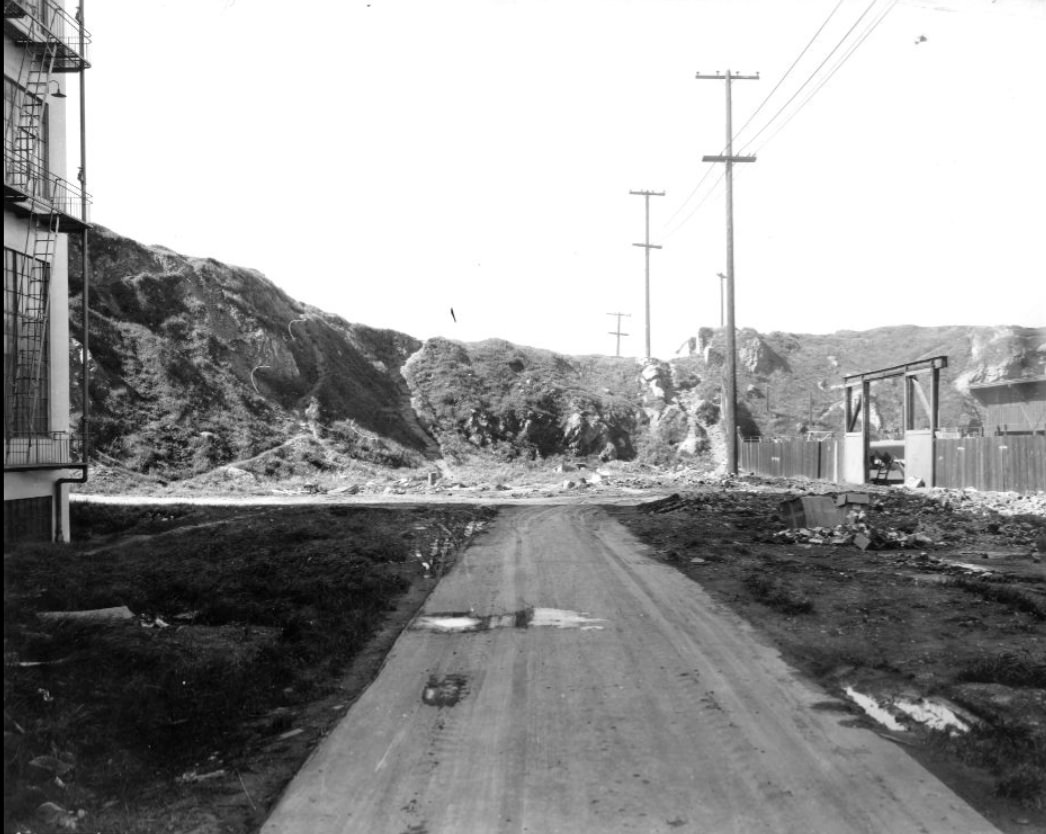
[{"x": 661, "y": 711}]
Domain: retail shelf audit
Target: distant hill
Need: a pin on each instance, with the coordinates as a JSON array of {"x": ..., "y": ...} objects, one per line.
[{"x": 195, "y": 364}]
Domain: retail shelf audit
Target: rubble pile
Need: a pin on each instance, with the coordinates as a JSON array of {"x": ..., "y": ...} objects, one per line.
[
  {"x": 976, "y": 502},
  {"x": 857, "y": 532}
]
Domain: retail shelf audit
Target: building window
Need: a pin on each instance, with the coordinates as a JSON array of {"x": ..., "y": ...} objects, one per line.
[
  {"x": 27, "y": 370},
  {"x": 28, "y": 520}
]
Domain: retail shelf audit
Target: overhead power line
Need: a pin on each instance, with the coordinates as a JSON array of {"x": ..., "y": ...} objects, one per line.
[
  {"x": 762, "y": 104},
  {"x": 831, "y": 73},
  {"x": 810, "y": 77},
  {"x": 773, "y": 119},
  {"x": 701, "y": 202},
  {"x": 788, "y": 71}
]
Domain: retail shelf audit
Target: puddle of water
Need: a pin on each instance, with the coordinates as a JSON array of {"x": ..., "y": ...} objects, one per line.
[
  {"x": 448, "y": 623},
  {"x": 457, "y": 622},
  {"x": 872, "y": 708},
  {"x": 558, "y": 618},
  {"x": 924, "y": 711},
  {"x": 969, "y": 567},
  {"x": 934, "y": 715}
]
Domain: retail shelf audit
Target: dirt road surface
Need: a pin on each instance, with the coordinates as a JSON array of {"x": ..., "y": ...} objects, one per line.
[{"x": 558, "y": 680}]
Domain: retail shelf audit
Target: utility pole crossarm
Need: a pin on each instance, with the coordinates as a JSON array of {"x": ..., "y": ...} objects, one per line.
[
  {"x": 720, "y": 158},
  {"x": 733, "y": 76}
]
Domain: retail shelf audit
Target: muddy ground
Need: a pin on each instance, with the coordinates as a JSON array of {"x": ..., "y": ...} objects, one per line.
[
  {"x": 240, "y": 651},
  {"x": 958, "y": 616}
]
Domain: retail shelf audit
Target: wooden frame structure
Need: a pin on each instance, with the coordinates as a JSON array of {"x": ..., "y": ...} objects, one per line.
[{"x": 919, "y": 435}]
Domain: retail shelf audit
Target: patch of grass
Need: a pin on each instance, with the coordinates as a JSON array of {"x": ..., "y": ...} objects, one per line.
[
  {"x": 261, "y": 613},
  {"x": 1007, "y": 668},
  {"x": 1017, "y": 598},
  {"x": 777, "y": 595},
  {"x": 1015, "y": 758}
]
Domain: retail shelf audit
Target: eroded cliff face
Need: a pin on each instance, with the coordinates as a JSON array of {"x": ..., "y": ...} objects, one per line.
[
  {"x": 195, "y": 363},
  {"x": 517, "y": 402}
]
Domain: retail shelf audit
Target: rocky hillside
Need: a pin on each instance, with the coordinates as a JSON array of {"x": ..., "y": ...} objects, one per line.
[
  {"x": 790, "y": 382},
  {"x": 195, "y": 364}
]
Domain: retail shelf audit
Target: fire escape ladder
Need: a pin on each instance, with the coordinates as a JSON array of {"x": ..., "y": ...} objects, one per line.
[
  {"x": 35, "y": 88},
  {"x": 32, "y": 340},
  {"x": 32, "y": 297}
]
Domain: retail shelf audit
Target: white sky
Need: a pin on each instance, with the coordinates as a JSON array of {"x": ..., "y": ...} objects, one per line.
[{"x": 388, "y": 160}]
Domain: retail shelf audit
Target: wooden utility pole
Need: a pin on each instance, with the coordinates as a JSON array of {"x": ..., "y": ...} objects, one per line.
[
  {"x": 647, "y": 245},
  {"x": 722, "y": 299},
  {"x": 617, "y": 331},
  {"x": 730, "y": 398}
]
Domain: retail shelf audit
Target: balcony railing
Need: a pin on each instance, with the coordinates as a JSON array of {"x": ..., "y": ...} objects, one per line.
[
  {"x": 26, "y": 181},
  {"x": 45, "y": 21},
  {"x": 51, "y": 450}
]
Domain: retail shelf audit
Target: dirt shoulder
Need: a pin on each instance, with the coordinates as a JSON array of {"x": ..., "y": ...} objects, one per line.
[
  {"x": 958, "y": 616},
  {"x": 233, "y": 639}
]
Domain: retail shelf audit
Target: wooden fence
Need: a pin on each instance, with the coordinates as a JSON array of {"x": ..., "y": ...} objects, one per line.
[
  {"x": 1006, "y": 462},
  {"x": 790, "y": 458}
]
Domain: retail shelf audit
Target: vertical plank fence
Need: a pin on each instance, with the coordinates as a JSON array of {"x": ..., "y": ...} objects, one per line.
[
  {"x": 790, "y": 458},
  {"x": 1004, "y": 463}
]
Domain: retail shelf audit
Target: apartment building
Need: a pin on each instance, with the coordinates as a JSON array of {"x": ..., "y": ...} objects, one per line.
[{"x": 44, "y": 443}]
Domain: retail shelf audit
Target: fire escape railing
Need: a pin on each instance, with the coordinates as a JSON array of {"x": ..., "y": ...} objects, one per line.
[
  {"x": 45, "y": 21},
  {"x": 25, "y": 179}
]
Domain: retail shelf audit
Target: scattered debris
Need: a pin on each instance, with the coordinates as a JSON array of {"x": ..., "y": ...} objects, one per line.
[
  {"x": 813, "y": 511},
  {"x": 53, "y": 764},
  {"x": 51, "y": 813},
  {"x": 191, "y": 776},
  {"x": 446, "y": 691}
]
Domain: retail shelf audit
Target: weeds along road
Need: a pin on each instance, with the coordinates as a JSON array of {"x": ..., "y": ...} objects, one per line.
[{"x": 558, "y": 680}]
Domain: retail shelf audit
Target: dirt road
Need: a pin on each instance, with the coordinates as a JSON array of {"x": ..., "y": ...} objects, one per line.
[{"x": 558, "y": 680}]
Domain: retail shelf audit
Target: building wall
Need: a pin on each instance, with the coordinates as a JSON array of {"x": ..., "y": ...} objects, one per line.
[
  {"x": 42, "y": 483},
  {"x": 1019, "y": 407}
]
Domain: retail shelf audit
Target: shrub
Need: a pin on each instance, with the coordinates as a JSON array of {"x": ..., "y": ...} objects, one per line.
[{"x": 777, "y": 595}]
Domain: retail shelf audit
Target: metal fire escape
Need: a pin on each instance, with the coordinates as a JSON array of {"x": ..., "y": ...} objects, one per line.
[{"x": 51, "y": 42}]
